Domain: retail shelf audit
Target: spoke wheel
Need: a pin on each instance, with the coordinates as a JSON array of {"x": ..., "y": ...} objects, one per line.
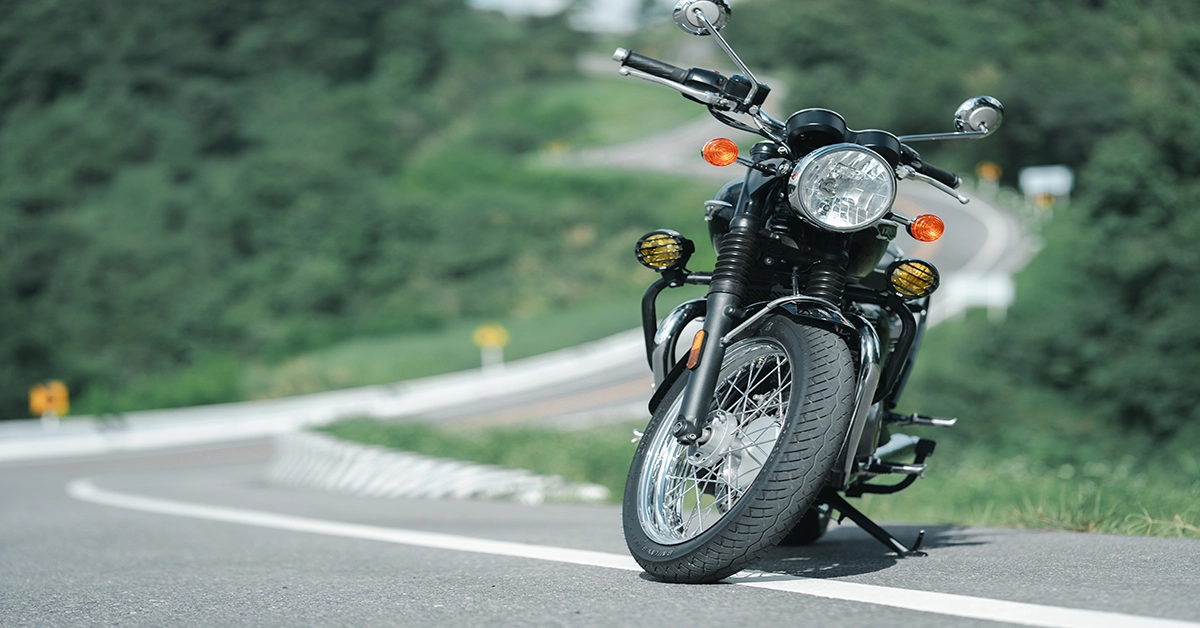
[
  {"x": 685, "y": 490},
  {"x": 777, "y": 421}
]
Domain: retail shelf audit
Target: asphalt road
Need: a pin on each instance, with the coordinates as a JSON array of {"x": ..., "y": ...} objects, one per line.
[{"x": 195, "y": 537}]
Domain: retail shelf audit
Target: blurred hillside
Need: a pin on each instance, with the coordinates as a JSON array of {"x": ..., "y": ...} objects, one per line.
[
  {"x": 185, "y": 190},
  {"x": 188, "y": 187},
  {"x": 1106, "y": 314}
]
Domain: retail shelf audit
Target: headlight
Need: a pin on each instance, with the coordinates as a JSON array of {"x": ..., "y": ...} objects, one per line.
[{"x": 844, "y": 187}]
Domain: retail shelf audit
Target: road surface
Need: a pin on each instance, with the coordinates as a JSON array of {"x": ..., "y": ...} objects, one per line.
[{"x": 194, "y": 537}]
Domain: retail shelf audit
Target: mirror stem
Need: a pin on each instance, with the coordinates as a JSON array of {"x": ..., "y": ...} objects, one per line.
[
  {"x": 699, "y": 13},
  {"x": 958, "y": 135}
]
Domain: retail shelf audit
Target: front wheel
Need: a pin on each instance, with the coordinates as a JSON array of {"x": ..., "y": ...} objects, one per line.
[{"x": 778, "y": 420}]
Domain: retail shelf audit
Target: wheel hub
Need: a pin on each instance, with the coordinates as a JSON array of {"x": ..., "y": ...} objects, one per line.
[{"x": 715, "y": 441}]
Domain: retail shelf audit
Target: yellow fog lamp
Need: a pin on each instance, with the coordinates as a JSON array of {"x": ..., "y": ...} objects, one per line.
[
  {"x": 664, "y": 250},
  {"x": 912, "y": 278}
]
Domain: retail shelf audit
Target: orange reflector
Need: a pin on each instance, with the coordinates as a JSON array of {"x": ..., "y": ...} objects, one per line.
[
  {"x": 926, "y": 228},
  {"x": 720, "y": 152},
  {"x": 694, "y": 354}
]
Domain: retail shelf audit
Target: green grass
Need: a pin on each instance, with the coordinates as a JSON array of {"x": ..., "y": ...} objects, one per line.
[
  {"x": 580, "y": 113},
  {"x": 1129, "y": 497},
  {"x": 620, "y": 109},
  {"x": 386, "y": 359},
  {"x": 598, "y": 455}
]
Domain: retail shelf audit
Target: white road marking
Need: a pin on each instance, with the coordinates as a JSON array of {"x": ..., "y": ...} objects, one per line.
[{"x": 922, "y": 601}]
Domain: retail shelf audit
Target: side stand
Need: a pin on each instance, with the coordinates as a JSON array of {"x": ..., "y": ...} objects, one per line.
[{"x": 837, "y": 502}]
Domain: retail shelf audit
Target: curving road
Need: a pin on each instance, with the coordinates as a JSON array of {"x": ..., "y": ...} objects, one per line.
[{"x": 123, "y": 526}]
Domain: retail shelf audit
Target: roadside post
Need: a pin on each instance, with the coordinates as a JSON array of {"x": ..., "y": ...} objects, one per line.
[
  {"x": 987, "y": 176},
  {"x": 1047, "y": 187},
  {"x": 49, "y": 400},
  {"x": 491, "y": 338}
]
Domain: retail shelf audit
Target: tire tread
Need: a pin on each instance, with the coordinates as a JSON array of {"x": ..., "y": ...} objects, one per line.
[{"x": 802, "y": 461}]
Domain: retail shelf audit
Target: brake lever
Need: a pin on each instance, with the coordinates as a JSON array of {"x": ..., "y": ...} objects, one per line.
[
  {"x": 707, "y": 98},
  {"x": 904, "y": 172}
]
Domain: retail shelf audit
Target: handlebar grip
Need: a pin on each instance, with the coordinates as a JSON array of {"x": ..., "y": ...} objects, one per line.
[
  {"x": 653, "y": 67},
  {"x": 912, "y": 158},
  {"x": 942, "y": 176}
]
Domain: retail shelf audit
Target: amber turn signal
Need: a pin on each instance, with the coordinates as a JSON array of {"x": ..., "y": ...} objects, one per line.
[
  {"x": 694, "y": 354},
  {"x": 720, "y": 151},
  {"x": 926, "y": 228}
]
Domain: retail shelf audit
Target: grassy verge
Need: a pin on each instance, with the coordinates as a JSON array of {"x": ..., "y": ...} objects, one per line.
[
  {"x": 384, "y": 359},
  {"x": 599, "y": 455}
]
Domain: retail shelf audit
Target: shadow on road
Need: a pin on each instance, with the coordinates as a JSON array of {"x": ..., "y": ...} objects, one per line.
[{"x": 847, "y": 550}]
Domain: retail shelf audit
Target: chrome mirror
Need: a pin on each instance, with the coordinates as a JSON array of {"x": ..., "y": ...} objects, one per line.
[
  {"x": 982, "y": 114},
  {"x": 975, "y": 119},
  {"x": 713, "y": 12}
]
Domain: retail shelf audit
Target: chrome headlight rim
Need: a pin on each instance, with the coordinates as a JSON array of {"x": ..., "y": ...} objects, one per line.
[{"x": 796, "y": 197}]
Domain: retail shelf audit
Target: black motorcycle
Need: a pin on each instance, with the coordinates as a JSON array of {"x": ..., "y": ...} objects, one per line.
[{"x": 782, "y": 404}]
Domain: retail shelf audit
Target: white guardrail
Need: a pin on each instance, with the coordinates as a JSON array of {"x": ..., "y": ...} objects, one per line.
[{"x": 155, "y": 429}]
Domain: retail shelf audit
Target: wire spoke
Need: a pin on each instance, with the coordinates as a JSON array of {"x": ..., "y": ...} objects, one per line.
[{"x": 680, "y": 498}]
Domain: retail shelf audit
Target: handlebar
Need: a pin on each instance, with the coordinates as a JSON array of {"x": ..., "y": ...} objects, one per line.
[
  {"x": 942, "y": 176},
  {"x": 709, "y": 87},
  {"x": 664, "y": 73},
  {"x": 716, "y": 91},
  {"x": 911, "y": 158},
  {"x": 653, "y": 67}
]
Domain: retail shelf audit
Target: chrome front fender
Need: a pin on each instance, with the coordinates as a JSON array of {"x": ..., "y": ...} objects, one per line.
[{"x": 666, "y": 338}]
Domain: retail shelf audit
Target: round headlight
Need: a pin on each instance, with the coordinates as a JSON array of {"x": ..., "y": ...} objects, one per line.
[{"x": 844, "y": 187}]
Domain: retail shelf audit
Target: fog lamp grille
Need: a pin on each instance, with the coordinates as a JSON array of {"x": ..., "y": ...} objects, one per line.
[
  {"x": 912, "y": 278},
  {"x": 664, "y": 250}
]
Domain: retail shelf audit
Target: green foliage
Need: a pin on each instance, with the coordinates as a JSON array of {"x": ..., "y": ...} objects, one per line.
[
  {"x": 210, "y": 379},
  {"x": 1065, "y": 70},
  {"x": 1106, "y": 312},
  {"x": 1109, "y": 313},
  {"x": 1027, "y": 455},
  {"x": 183, "y": 180}
]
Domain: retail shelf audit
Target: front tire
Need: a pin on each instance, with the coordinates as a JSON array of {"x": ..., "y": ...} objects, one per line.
[
  {"x": 809, "y": 529},
  {"x": 780, "y": 414}
]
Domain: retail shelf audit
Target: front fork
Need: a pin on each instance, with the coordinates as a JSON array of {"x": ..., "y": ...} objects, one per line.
[{"x": 739, "y": 249}]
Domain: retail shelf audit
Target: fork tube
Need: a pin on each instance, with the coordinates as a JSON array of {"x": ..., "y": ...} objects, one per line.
[
  {"x": 739, "y": 250},
  {"x": 693, "y": 412}
]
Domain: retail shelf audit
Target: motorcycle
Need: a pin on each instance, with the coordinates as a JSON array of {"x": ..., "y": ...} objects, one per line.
[{"x": 782, "y": 404}]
